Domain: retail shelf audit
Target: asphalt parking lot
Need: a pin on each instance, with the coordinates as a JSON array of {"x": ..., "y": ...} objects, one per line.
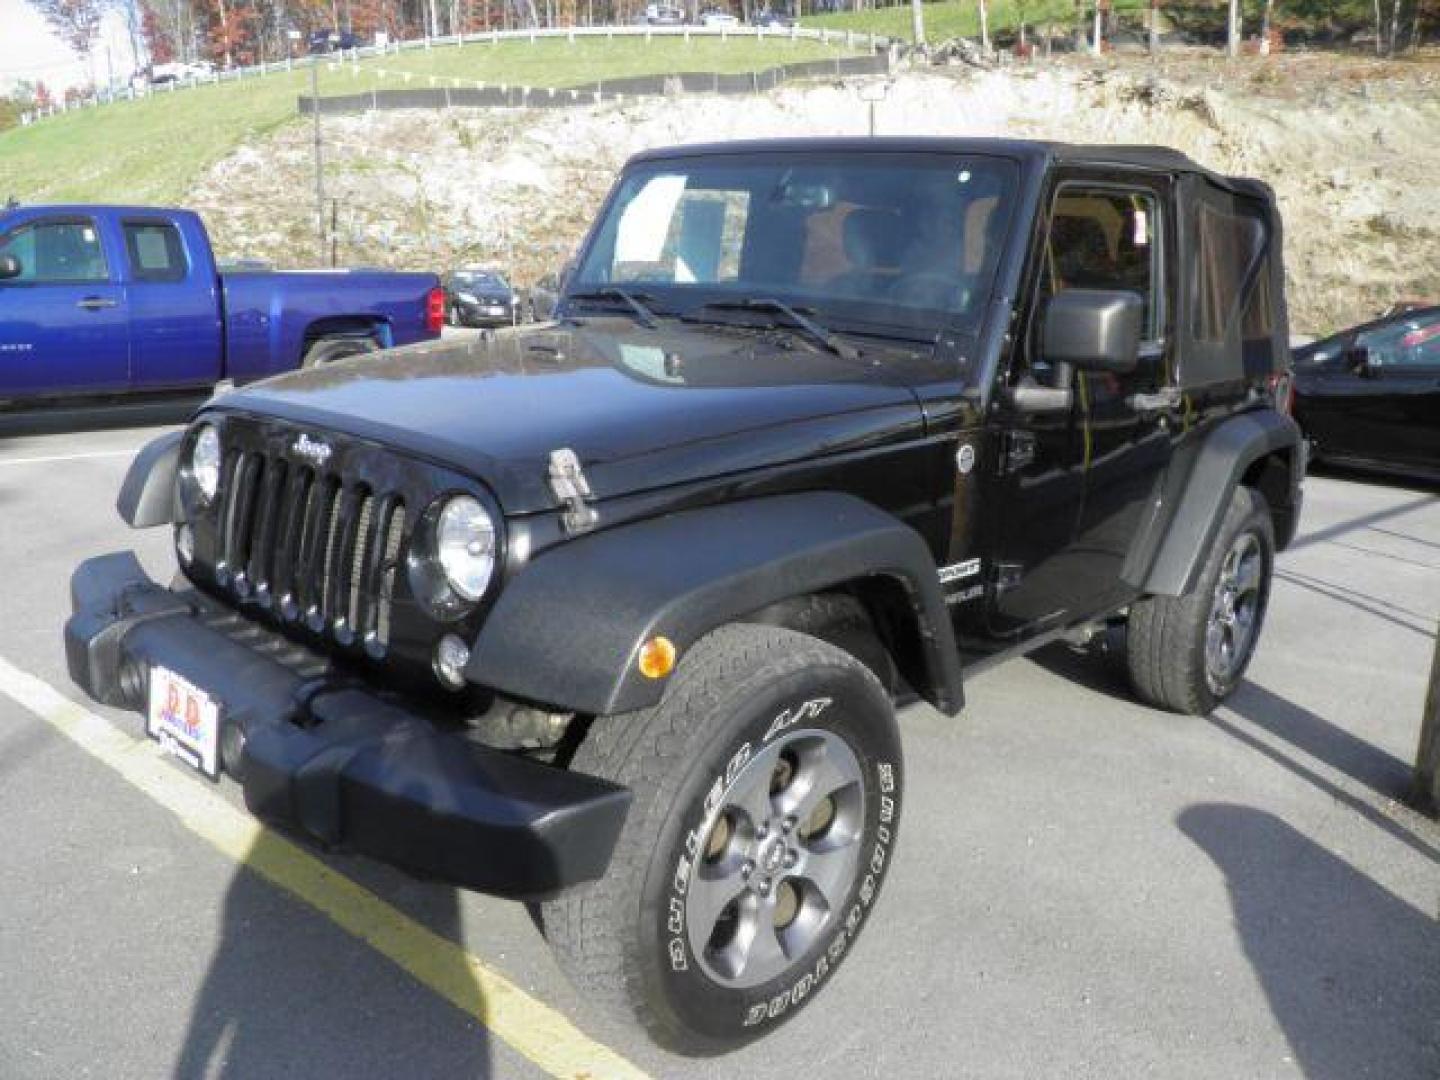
[{"x": 1083, "y": 887}]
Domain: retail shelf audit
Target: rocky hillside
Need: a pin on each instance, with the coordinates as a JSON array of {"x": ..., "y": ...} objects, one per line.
[{"x": 1347, "y": 144}]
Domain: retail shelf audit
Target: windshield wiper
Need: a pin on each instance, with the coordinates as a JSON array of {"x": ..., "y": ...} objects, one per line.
[
  {"x": 634, "y": 300},
  {"x": 828, "y": 338}
]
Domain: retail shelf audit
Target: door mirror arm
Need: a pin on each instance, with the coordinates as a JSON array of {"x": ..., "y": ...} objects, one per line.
[{"x": 1032, "y": 398}]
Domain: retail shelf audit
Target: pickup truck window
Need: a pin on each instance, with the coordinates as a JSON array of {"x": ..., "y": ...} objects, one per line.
[
  {"x": 57, "y": 252},
  {"x": 155, "y": 251},
  {"x": 905, "y": 241}
]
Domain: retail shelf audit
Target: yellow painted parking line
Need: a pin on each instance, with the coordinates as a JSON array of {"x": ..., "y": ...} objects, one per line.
[{"x": 528, "y": 1025}]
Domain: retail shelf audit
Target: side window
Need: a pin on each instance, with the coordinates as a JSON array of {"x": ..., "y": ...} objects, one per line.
[
  {"x": 1411, "y": 341},
  {"x": 1105, "y": 238},
  {"x": 1227, "y": 246},
  {"x": 57, "y": 252},
  {"x": 155, "y": 251}
]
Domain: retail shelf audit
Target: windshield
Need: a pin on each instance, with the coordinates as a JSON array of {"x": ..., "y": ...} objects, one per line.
[
  {"x": 480, "y": 279},
  {"x": 883, "y": 243}
]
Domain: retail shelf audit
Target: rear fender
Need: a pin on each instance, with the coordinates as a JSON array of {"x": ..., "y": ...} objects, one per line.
[{"x": 1261, "y": 448}]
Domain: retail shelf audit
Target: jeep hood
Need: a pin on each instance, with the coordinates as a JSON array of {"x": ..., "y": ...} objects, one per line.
[{"x": 642, "y": 409}]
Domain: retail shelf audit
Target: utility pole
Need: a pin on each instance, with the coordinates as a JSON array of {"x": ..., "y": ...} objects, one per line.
[
  {"x": 917, "y": 23},
  {"x": 1425, "y": 792},
  {"x": 319, "y": 161}
]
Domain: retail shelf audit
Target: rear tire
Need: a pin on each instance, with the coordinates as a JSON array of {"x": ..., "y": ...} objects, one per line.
[
  {"x": 1187, "y": 653},
  {"x": 767, "y": 788},
  {"x": 328, "y": 350}
]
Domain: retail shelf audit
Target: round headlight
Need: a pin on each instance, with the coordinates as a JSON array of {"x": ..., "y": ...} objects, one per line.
[
  {"x": 205, "y": 462},
  {"x": 465, "y": 546}
]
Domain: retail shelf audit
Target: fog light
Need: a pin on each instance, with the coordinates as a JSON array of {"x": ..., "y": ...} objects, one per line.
[
  {"x": 451, "y": 656},
  {"x": 185, "y": 544}
]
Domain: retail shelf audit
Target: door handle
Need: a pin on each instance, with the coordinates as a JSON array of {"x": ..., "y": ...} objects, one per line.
[{"x": 95, "y": 303}]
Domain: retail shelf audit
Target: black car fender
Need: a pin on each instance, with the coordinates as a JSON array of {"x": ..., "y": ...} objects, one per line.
[
  {"x": 1262, "y": 447},
  {"x": 568, "y": 628},
  {"x": 148, "y": 495}
]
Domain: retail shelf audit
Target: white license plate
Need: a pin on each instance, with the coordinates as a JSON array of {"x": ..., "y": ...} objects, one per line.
[{"x": 185, "y": 721}]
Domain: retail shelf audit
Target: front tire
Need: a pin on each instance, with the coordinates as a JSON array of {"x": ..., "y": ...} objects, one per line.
[
  {"x": 767, "y": 787},
  {"x": 1187, "y": 653}
]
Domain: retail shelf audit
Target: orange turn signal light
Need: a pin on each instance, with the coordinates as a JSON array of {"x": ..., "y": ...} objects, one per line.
[{"x": 657, "y": 658}]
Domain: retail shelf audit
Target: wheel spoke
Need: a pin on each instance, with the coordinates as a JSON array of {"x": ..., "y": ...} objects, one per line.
[
  {"x": 704, "y": 903},
  {"x": 1247, "y": 576},
  {"x": 821, "y": 777},
  {"x": 752, "y": 797},
  {"x": 765, "y": 956},
  {"x": 830, "y": 870}
]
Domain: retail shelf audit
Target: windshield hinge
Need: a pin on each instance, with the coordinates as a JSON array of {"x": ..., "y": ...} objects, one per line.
[{"x": 568, "y": 484}]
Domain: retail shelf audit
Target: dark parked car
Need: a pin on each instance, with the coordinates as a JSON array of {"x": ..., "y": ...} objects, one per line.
[
  {"x": 478, "y": 297},
  {"x": 1370, "y": 396},
  {"x": 612, "y": 614}
]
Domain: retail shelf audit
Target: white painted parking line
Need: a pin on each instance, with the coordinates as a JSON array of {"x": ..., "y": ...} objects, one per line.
[
  {"x": 66, "y": 457},
  {"x": 528, "y": 1025}
]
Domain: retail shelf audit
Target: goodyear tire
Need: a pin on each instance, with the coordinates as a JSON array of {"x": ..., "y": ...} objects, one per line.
[
  {"x": 1187, "y": 653},
  {"x": 767, "y": 790}
]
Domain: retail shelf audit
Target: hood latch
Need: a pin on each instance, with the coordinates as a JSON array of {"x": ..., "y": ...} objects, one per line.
[{"x": 569, "y": 486}]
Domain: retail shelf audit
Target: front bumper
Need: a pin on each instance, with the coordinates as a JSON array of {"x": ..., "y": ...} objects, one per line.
[{"x": 319, "y": 753}]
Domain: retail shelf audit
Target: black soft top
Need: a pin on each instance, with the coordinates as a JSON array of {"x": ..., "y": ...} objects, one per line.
[{"x": 1036, "y": 152}]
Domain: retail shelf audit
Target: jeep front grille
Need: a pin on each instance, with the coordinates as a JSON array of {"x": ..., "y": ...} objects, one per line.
[{"x": 310, "y": 546}]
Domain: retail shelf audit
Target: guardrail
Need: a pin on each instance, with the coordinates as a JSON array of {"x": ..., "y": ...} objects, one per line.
[
  {"x": 849, "y": 38},
  {"x": 482, "y": 96}
]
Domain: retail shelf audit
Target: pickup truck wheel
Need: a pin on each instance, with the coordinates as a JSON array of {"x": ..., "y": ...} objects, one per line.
[
  {"x": 766, "y": 802},
  {"x": 1186, "y": 653},
  {"x": 328, "y": 350}
]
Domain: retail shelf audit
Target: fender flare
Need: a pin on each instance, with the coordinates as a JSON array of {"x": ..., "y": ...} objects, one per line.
[
  {"x": 148, "y": 495},
  {"x": 1167, "y": 557},
  {"x": 566, "y": 630}
]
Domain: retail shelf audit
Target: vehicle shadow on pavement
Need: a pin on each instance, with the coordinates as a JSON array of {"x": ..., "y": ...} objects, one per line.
[
  {"x": 290, "y": 993},
  {"x": 1363, "y": 522},
  {"x": 66, "y": 420},
  {"x": 1351, "y": 972},
  {"x": 1379, "y": 770}
]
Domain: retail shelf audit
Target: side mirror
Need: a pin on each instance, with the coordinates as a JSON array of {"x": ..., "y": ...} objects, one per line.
[
  {"x": 10, "y": 267},
  {"x": 1357, "y": 359},
  {"x": 1093, "y": 329}
]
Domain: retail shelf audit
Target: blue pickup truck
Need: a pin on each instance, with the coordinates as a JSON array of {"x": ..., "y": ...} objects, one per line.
[{"x": 102, "y": 300}]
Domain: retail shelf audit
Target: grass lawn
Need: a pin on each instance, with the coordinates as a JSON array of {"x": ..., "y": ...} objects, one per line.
[
  {"x": 959, "y": 18},
  {"x": 152, "y": 150}
]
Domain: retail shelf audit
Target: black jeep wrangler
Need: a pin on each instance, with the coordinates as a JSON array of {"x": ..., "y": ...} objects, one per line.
[{"x": 612, "y": 614}]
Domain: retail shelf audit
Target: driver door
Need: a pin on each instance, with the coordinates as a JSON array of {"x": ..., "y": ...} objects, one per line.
[
  {"x": 64, "y": 326},
  {"x": 1071, "y": 484}
]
